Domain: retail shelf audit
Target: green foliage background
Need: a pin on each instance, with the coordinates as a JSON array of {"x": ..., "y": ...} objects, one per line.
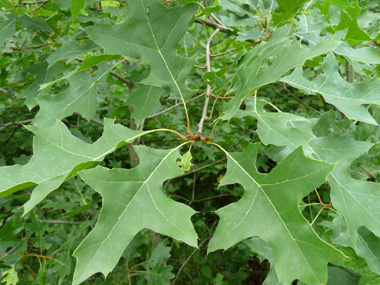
[{"x": 185, "y": 142}]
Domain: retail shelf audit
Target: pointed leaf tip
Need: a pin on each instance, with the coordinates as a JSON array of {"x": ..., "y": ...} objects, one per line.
[
  {"x": 269, "y": 210},
  {"x": 140, "y": 204}
]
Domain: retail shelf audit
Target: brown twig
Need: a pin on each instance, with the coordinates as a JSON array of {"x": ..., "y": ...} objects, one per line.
[
  {"x": 250, "y": 44},
  {"x": 188, "y": 259},
  {"x": 324, "y": 206},
  {"x": 82, "y": 38},
  {"x": 193, "y": 190},
  {"x": 211, "y": 198},
  {"x": 200, "y": 67},
  {"x": 229, "y": 51},
  {"x": 12, "y": 134},
  {"x": 221, "y": 97},
  {"x": 46, "y": 34},
  {"x": 191, "y": 255},
  {"x": 350, "y": 75},
  {"x": 9, "y": 252},
  {"x": 96, "y": 121},
  {"x": 215, "y": 18},
  {"x": 129, "y": 83},
  {"x": 221, "y": 28},
  {"x": 369, "y": 173},
  {"x": 193, "y": 171},
  {"x": 299, "y": 100},
  {"x": 174, "y": 106},
  {"x": 13, "y": 123},
  {"x": 8, "y": 119},
  {"x": 31, "y": 47},
  {"x": 39, "y": 256},
  {"x": 178, "y": 196},
  {"x": 212, "y": 25},
  {"x": 200, "y": 44},
  {"x": 43, "y": 2},
  {"x": 61, "y": 222}
]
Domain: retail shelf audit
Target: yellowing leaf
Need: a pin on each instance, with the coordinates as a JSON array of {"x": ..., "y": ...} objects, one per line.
[
  {"x": 10, "y": 277},
  {"x": 109, "y": 3},
  {"x": 185, "y": 161}
]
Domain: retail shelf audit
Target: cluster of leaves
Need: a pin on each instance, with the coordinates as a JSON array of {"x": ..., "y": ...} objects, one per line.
[{"x": 286, "y": 91}]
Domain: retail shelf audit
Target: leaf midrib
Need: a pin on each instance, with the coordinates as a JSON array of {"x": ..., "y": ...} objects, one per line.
[
  {"x": 162, "y": 56},
  {"x": 341, "y": 186},
  {"x": 132, "y": 199},
  {"x": 62, "y": 111},
  {"x": 325, "y": 93},
  {"x": 6, "y": 26},
  {"x": 73, "y": 153},
  {"x": 275, "y": 210}
]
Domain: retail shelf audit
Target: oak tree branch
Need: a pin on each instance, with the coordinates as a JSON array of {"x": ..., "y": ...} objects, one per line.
[{"x": 208, "y": 65}]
